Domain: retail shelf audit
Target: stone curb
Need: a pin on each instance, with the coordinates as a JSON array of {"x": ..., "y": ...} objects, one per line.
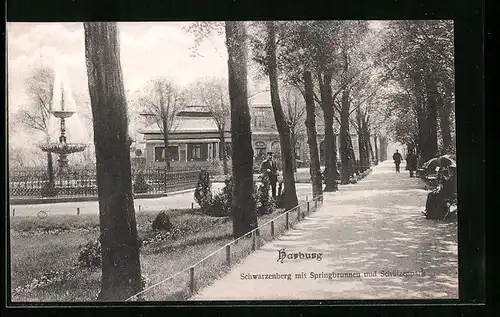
[{"x": 36, "y": 201}]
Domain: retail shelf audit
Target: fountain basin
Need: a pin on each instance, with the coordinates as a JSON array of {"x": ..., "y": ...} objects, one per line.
[
  {"x": 62, "y": 148},
  {"x": 62, "y": 114}
]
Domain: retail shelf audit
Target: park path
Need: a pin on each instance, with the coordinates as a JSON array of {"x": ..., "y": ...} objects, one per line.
[{"x": 375, "y": 225}]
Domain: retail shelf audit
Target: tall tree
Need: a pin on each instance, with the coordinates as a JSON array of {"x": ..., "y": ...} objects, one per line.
[
  {"x": 243, "y": 205},
  {"x": 121, "y": 271},
  {"x": 269, "y": 63},
  {"x": 213, "y": 94},
  {"x": 324, "y": 49},
  {"x": 35, "y": 115},
  {"x": 162, "y": 100},
  {"x": 419, "y": 59},
  {"x": 311, "y": 135},
  {"x": 295, "y": 111},
  {"x": 296, "y": 61}
]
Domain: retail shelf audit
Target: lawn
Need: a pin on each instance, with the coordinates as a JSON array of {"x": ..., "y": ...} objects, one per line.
[{"x": 44, "y": 254}]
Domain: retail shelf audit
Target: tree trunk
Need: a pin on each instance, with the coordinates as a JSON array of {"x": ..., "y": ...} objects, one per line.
[
  {"x": 431, "y": 144},
  {"x": 121, "y": 271},
  {"x": 352, "y": 156},
  {"x": 330, "y": 147},
  {"x": 344, "y": 137},
  {"x": 361, "y": 140},
  {"x": 222, "y": 150},
  {"x": 368, "y": 146},
  {"x": 294, "y": 141},
  {"x": 444, "y": 124},
  {"x": 287, "y": 152},
  {"x": 50, "y": 169},
  {"x": 165, "y": 141},
  {"x": 243, "y": 205},
  {"x": 311, "y": 135},
  {"x": 371, "y": 158},
  {"x": 375, "y": 138}
]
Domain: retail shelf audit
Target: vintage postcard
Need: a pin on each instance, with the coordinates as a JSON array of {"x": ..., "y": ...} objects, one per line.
[{"x": 238, "y": 160}]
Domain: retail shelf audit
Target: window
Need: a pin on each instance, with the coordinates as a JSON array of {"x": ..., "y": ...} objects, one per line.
[
  {"x": 259, "y": 120},
  {"x": 173, "y": 153},
  {"x": 197, "y": 152},
  {"x": 260, "y": 150}
]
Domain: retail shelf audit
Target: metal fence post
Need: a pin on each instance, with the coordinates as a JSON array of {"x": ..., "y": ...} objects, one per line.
[
  {"x": 228, "y": 254},
  {"x": 191, "y": 279}
]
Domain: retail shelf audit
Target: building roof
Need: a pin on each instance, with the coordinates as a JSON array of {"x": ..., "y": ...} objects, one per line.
[
  {"x": 186, "y": 124},
  {"x": 261, "y": 99}
]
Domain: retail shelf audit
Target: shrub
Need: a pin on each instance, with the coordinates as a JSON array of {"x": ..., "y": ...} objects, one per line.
[
  {"x": 203, "y": 191},
  {"x": 90, "y": 255},
  {"x": 140, "y": 185},
  {"x": 264, "y": 203},
  {"x": 221, "y": 203},
  {"x": 162, "y": 222}
]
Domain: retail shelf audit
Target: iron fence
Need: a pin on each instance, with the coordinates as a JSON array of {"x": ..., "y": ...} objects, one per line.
[{"x": 81, "y": 182}]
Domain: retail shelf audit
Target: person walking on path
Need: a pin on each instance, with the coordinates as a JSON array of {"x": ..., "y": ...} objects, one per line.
[
  {"x": 397, "y": 160},
  {"x": 411, "y": 162},
  {"x": 270, "y": 168}
]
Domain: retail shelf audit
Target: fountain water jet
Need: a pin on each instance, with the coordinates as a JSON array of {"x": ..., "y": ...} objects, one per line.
[{"x": 61, "y": 148}]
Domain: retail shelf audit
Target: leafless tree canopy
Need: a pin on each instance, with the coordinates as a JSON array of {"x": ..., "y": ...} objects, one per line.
[
  {"x": 39, "y": 88},
  {"x": 162, "y": 100}
]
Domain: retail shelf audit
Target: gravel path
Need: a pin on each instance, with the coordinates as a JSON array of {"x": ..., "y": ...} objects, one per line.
[{"x": 372, "y": 227}]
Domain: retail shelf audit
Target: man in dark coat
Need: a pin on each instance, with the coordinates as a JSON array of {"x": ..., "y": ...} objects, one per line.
[
  {"x": 270, "y": 168},
  {"x": 397, "y": 160},
  {"x": 411, "y": 162}
]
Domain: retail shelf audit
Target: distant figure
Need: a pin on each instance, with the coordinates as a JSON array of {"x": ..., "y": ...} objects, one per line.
[
  {"x": 397, "y": 160},
  {"x": 411, "y": 162},
  {"x": 270, "y": 168}
]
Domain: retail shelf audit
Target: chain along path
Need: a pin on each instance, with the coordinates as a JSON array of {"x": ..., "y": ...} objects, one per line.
[{"x": 374, "y": 227}]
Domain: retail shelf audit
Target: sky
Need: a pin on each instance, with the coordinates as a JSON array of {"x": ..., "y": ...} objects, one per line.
[{"x": 147, "y": 50}]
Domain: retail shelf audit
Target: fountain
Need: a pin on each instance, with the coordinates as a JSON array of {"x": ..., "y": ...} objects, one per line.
[{"x": 62, "y": 148}]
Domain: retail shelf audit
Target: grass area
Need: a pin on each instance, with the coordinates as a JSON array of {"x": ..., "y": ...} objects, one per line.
[{"x": 44, "y": 254}]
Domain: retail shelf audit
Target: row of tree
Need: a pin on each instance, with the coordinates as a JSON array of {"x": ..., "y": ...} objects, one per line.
[{"x": 418, "y": 62}]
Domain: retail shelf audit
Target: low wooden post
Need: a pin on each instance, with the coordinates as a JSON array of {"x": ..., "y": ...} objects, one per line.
[
  {"x": 192, "y": 205},
  {"x": 228, "y": 254},
  {"x": 315, "y": 203},
  {"x": 307, "y": 207},
  {"x": 13, "y": 212},
  {"x": 272, "y": 228},
  {"x": 298, "y": 213},
  {"x": 287, "y": 224},
  {"x": 140, "y": 209},
  {"x": 254, "y": 244},
  {"x": 78, "y": 211},
  {"x": 191, "y": 279}
]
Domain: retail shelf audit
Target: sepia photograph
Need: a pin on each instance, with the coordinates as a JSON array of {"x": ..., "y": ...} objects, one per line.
[{"x": 231, "y": 161}]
